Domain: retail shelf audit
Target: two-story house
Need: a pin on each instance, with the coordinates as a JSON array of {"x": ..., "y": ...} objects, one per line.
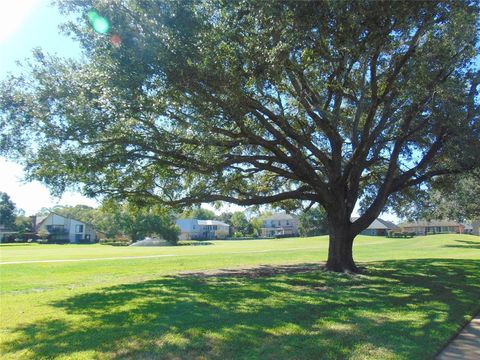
[
  {"x": 6, "y": 234},
  {"x": 280, "y": 224},
  {"x": 60, "y": 228},
  {"x": 194, "y": 229}
]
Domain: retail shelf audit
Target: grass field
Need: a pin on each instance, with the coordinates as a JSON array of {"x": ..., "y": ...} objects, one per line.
[{"x": 95, "y": 301}]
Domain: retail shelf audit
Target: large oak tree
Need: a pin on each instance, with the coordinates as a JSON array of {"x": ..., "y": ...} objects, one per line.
[{"x": 253, "y": 102}]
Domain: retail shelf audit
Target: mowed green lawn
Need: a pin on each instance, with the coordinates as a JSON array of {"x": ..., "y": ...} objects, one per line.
[{"x": 95, "y": 301}]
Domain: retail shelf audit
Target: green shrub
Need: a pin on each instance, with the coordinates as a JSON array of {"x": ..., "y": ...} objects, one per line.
[
  {"x": 193, "y": 243},
  {"x": 169, "y": 234},
  {"x": 399, "y": 234},
  {"x": 115, "y": 242}
]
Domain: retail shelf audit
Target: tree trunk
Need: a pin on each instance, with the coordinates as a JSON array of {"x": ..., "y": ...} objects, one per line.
[{"x": 340, "y": 247}]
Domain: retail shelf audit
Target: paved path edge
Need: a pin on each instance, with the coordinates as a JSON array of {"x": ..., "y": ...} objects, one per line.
[{"x": 475, "y": 313}]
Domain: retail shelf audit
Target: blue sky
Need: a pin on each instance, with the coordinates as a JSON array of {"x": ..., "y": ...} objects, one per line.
[{"x": 24, "y": 25}]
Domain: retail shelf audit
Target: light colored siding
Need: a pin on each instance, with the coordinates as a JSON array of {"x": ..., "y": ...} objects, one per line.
[
  {"x": 71, "y": 231},
  {"x": 197, "y": 229}
]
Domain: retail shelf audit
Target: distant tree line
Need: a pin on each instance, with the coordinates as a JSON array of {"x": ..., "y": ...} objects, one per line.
[
  {"x": 11, "y": 218},
  {"x": 117, "y": 220}
]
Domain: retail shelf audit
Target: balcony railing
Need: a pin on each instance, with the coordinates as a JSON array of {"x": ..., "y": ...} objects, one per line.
[{"x": 57, "y": 230}]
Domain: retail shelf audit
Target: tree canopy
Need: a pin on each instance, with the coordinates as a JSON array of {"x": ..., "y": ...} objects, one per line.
[
  {"x": 254, "y": 102},
  {"x": 241, "y": 225},
  {"x": 313, "y": 222},
  {"x": 83, "y": 213},
  {"x": 7, "y": 211},
  {"x": 198, "y": 213},
  {"x": 455, "y": 198}
]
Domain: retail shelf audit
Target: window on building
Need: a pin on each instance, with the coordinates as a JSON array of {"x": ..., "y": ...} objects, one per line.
[
  {"x": 55, "y": 229},
  {"x": 79, "y": 228}
]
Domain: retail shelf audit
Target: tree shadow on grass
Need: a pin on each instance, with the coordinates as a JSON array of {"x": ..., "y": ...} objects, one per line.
[
  {"x": 399, "y": 309},
  {"x": 465, "y": 244}
]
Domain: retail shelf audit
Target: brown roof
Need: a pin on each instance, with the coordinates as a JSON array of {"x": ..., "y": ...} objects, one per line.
[
  {"x": 388, "y": 224},
  {"x": 41, "y": 219},
  {"x": 38, "y": 221},
  {"x": 379, "y": 224},
  {"x": 428, "y": 223},
  {"x": 281, "y": 216}
]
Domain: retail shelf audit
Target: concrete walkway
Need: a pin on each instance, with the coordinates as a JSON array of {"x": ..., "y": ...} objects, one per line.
[{"x": 466, "y": 346}]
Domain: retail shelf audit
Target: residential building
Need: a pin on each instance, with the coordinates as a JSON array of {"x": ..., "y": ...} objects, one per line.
[
  {"x": 379, "y": 227},
  {"x": 280, "y": 224},
  {"x": 194, "y": 229},
  {"x": 426, "y": 227},
  {"x": 63, "y": 229},
  {"x": 476, "y": 227},
  {"x": 6, "y": 234},
  {"x": 467, "y": 228}
]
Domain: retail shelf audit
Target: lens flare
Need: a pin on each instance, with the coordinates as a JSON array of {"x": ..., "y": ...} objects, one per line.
[
  {"x": 98, "y": 22},
  {"x": 116, "y": 40}
]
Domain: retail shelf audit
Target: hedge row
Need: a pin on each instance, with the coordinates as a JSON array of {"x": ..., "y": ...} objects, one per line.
[{"x": 396, "y": 234}]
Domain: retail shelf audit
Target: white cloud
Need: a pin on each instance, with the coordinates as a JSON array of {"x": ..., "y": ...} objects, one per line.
[
  {"x": 13, "y": 14},
  {"x": 32, "y": 196}
]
